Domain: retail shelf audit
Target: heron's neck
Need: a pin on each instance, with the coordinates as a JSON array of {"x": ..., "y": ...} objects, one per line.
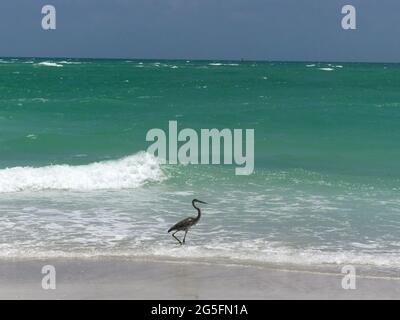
[{"x": 198, "y": 211}]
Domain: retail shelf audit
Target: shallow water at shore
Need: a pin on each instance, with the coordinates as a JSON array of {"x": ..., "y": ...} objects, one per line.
[{"x": 75, "y": 181}]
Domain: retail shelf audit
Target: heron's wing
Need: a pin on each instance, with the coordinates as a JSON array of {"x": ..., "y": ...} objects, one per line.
[{"x": 181, "y": 224}]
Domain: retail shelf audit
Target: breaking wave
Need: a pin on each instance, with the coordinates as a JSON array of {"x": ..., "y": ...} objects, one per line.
[{"x": 129, "y": 172}]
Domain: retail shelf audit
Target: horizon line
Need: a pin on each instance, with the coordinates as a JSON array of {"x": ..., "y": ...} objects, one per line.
[{"x": 197, "y": 59}]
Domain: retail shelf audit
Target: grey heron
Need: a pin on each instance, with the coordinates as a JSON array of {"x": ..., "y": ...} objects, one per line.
[{"x": 186, "y": 224}]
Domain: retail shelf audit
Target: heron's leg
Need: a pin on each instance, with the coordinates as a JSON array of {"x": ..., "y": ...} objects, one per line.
[
  {"x": 176, "y": 237},
  {"x": 184, "y": 237}
]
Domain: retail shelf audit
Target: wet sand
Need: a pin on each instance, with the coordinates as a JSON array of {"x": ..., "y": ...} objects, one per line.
[{"x": 140, "y": 279}]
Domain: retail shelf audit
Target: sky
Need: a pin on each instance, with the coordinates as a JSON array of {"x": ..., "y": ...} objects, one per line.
[{"x": 284, "y": 30}]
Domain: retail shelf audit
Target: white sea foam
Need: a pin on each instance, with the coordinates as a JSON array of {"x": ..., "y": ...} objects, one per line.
[
  {"x": 326, "y": 69},
  {"x": 130, "y": 172},
  {"x": 70, "y": 62},
  {"x": 223, "y": 64},
  {"x": 254, "y": 251},
  {"x": 49, "y": 64},
  {"x": 250, "y": 252}
]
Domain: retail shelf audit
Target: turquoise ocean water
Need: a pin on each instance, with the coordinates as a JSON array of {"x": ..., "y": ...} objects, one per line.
[{"x": 75, "y": 180}]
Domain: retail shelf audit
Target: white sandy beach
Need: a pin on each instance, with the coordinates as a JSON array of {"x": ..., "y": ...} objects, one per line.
[{"x": 141, "y": 279}]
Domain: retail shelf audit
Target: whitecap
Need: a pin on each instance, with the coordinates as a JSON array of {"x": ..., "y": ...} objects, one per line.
[
  {"x": 49, "y": 64},
  {"x": 70, "y": 62},
  {"x": 326, "y": 69},
  {"x": 129, "y": 172}
]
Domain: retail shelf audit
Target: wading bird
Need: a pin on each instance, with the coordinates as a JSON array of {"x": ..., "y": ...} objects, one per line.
[{"x": 186, "y": 224}]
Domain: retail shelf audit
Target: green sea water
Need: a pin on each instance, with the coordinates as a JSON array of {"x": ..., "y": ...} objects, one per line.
[{"x": 74, "y": 178}]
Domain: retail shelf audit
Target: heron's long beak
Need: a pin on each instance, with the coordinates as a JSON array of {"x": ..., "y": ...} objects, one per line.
[{"x": 202, "y": 202}]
